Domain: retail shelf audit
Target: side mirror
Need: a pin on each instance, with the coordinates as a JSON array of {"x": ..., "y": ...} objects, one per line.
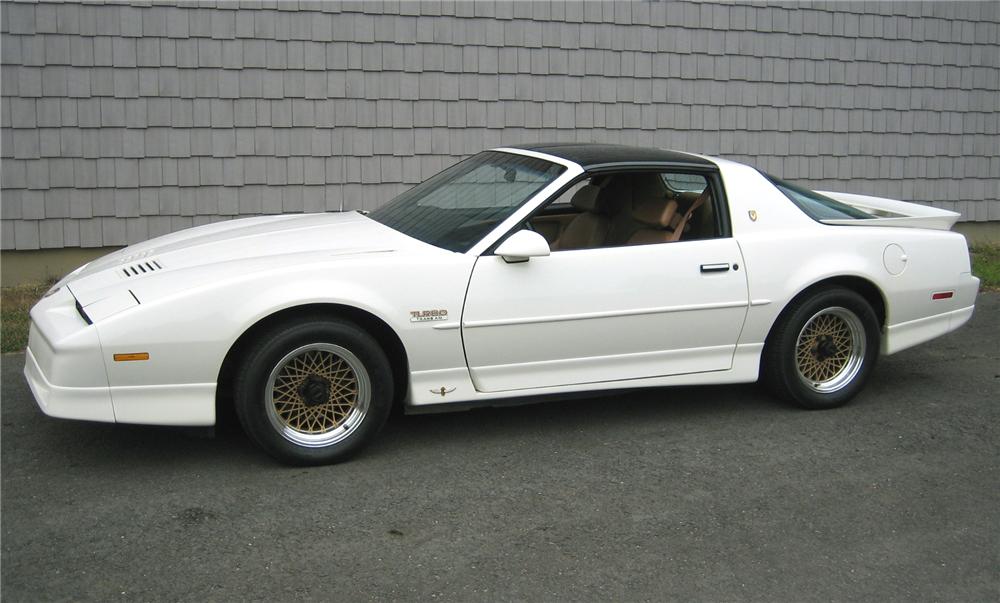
[{"x": 522, "y": 245}]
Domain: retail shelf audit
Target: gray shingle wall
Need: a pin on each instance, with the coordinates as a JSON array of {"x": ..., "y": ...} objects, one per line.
[{"x": 123, "y": 122}]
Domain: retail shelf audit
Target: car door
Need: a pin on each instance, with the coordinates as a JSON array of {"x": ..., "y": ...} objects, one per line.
[{"x": 604, "y": 314}]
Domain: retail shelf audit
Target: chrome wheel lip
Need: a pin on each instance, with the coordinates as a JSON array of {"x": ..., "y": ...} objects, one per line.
[
  {"x": 347, "y": 426},
  {"x": 854, "y": 361}
]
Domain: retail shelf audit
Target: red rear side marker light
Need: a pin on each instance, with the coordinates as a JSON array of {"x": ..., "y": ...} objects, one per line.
[{"x": 942, "y": 295}]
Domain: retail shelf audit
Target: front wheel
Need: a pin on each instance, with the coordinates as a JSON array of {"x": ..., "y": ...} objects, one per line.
[
  {"x": 314, "y": 391},
  {"x": 823, "y": 349}
]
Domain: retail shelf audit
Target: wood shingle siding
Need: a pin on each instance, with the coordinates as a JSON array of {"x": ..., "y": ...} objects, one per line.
[{"x": 123, "y": 122}]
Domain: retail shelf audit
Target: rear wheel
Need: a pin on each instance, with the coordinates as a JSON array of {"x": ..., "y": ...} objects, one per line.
[
  {"x": 823, "y": 349},
  {"x": 314, "y": 391}
]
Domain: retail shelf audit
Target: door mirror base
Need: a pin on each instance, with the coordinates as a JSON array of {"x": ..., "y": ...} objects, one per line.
[{"x": 522, "y": 246}]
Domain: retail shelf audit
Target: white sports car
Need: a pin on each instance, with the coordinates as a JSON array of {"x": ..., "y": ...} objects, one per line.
[{"x": 517, "y": 273}]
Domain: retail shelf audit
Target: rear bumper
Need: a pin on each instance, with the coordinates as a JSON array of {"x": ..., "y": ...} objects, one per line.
[{"x": 908, "y": 334}]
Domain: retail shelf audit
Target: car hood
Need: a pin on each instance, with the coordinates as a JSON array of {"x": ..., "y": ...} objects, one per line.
[{"x": 260, "y": 242}]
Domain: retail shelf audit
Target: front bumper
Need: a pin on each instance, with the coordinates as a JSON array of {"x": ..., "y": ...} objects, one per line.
[
  {"x": 65, "y": 366},
  {"x": 84, "y": 403},
  {"x": 63, "y": 362}
]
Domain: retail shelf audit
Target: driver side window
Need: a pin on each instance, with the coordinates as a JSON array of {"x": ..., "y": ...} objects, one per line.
[{"x": 630, "y": 208}]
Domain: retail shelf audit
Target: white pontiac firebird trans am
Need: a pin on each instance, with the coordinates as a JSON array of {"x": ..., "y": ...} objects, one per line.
[{"x": 516, "y": 273}]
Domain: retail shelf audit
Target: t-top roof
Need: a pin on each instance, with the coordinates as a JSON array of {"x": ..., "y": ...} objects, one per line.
[{"x": 589, "y": 155}]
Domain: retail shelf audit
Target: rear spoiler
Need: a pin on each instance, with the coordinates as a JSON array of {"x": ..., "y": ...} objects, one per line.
[{"x": 889, "y": 212}]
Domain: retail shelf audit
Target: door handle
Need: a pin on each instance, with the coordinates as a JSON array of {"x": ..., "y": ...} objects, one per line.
[{"x": 723, "y": 267}]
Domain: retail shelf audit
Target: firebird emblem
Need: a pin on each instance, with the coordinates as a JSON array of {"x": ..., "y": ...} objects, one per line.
[
  {"x": 426, "y": 315},
  {"x": 442, "y": 392}
]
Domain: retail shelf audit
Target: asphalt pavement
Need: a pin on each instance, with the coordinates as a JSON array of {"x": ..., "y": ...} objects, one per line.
[{"x": 689, "y": 494}]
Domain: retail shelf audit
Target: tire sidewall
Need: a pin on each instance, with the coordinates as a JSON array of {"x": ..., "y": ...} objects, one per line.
[
  {"x": 251, "y": 397},
  {"x": 786, "y": 377}
]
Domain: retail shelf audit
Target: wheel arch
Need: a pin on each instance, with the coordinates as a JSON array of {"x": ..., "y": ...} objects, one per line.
[
  {"x": 770, "y": 371},
  {"x": 858, "y": 284},
  {"x": 386, "y": 337}
]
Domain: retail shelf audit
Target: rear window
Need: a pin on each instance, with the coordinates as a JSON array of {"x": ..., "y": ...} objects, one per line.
[
  {"x": 817, "y": 206},
  {"x": 684, "y": 183}
]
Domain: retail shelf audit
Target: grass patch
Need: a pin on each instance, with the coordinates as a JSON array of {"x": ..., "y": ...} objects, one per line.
[
  {"x": 14, "y": 305},
  {"x": 986, "y": 264}
]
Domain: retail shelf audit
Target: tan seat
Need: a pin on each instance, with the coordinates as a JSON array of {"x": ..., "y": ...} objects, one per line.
[
  {"x": 625, "y": 192},
  {"x": 684, "y": 220},
  {"x": 590, "y": 228},
  {"x": 658, "y": 217},
  {"x": 662, "y": 222}
]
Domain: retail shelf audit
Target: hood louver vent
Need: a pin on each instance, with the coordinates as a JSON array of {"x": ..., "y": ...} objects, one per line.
[{"x": 140, "y": 268}]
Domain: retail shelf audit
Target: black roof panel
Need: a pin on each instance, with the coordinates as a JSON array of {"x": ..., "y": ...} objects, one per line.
[{"x": 593, "y": 154}]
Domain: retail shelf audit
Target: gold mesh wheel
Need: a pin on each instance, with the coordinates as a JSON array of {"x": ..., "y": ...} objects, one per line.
[
  {"x": 317, "y": 395},
  {"x": 830, "y": 350}
]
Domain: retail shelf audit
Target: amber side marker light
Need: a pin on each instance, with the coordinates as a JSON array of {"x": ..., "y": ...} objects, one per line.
[
  {"x": 942, "y": 295},
  {"x": 131, "y": 357}
]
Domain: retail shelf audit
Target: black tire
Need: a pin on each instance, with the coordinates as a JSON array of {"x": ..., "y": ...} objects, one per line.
[
  {"x": 826, "y": 365},
  {"x": 314, "y": 391}
]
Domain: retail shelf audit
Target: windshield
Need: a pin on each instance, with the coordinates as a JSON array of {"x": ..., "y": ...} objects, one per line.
[
  {"x": 459, "y": 206},
  {"x": 817, "y": 206}
]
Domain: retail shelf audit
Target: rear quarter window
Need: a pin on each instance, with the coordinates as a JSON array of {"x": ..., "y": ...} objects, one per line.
[{"x": 816, "y": 206}]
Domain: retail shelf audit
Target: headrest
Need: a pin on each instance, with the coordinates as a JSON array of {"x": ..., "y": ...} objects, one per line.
[
  {"x": 654, "y": 212},
  {"x": 585, "y": 199},
  {"x": 647, "y": 185}
]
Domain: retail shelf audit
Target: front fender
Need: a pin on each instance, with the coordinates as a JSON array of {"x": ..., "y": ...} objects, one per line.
[{"x": 188, "y": 332}]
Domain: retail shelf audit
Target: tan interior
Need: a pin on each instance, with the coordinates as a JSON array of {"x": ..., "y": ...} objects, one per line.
[
  {"x": 660, "y": 218},
  {"x": 635, "y": 208},
  {"x": 590, "y": 227},
  {"x": 552, "y": 226}
]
